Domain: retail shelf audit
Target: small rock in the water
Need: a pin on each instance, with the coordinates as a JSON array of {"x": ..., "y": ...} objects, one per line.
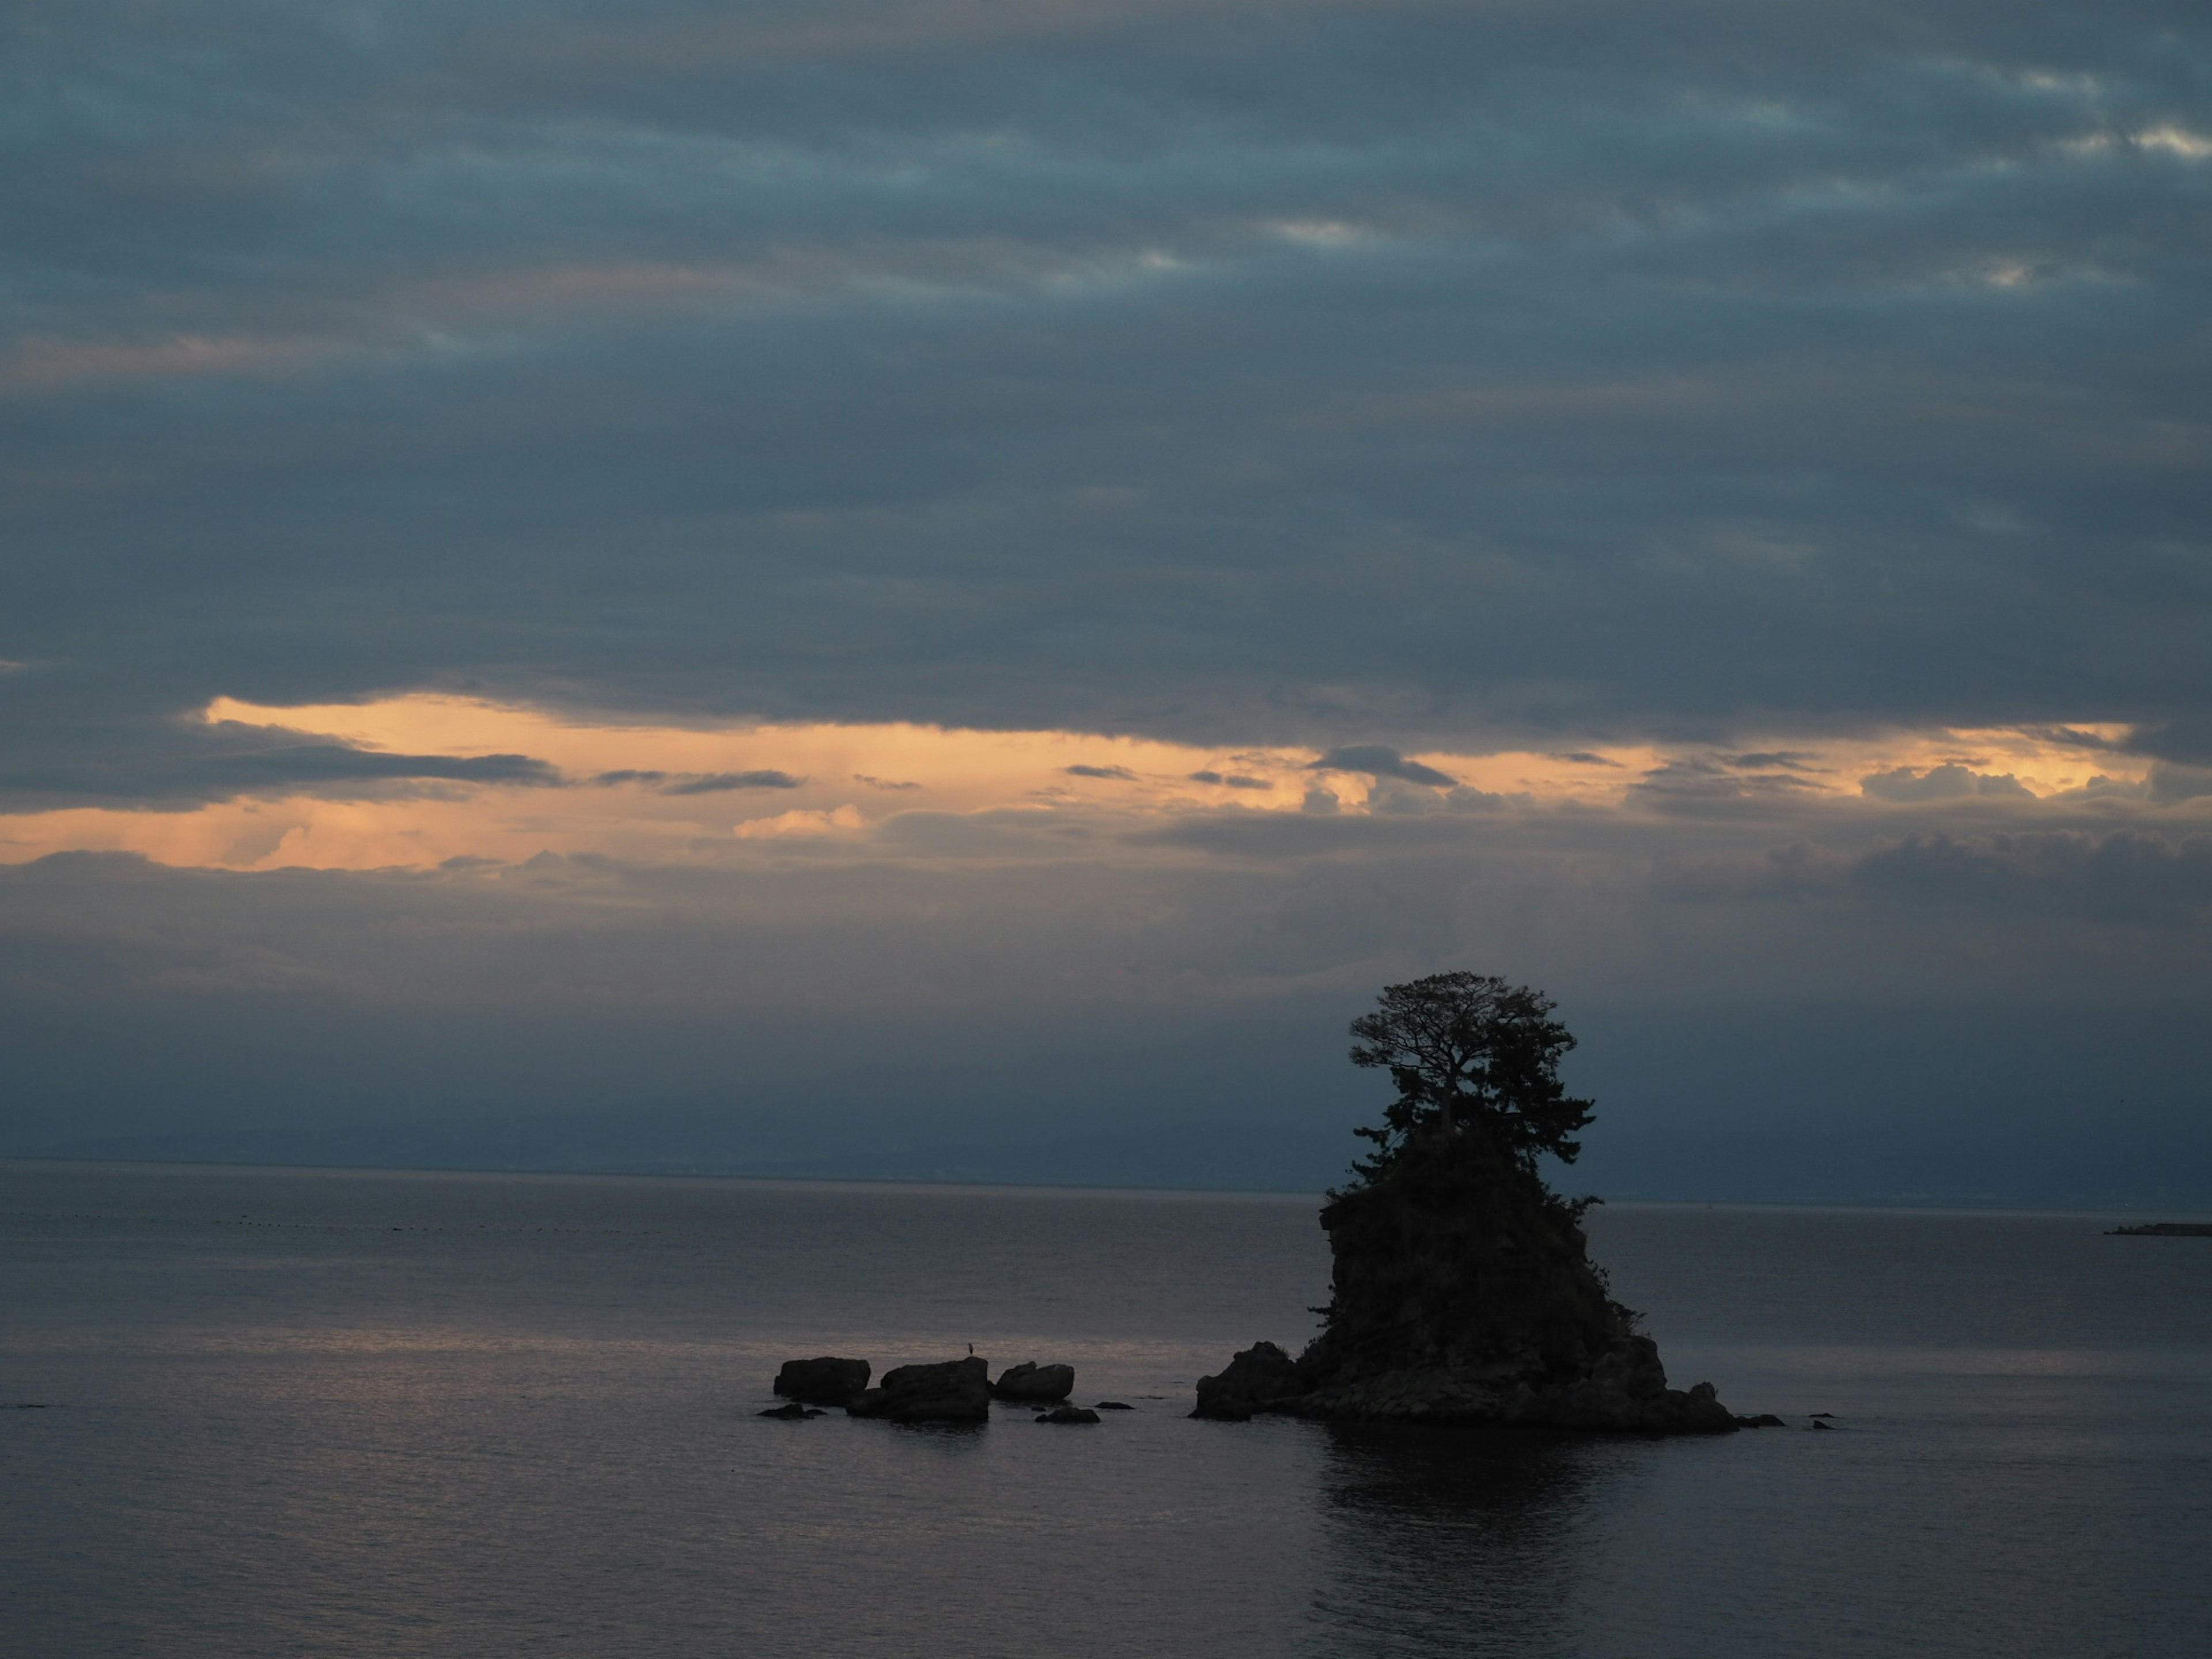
[
  {"x": 792, "y": 1410},
  {"x": 1253, "y": 1379},
  {"x": 1069, "y": 1414},
  {"x": 824, "y": 1381},
  {"x": 1818, "y": 1424},
  {"x": 1821, "y": 1414},
  {"x": 957, "y": 1391},
  {"x": 1763, "y": 1420},
  {"x": 1029, "y": 1381},
  {"x": 1113, "y": 1405}
]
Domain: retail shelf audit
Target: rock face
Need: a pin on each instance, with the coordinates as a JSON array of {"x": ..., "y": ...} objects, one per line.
[
  {"x": 1261, "y": 1378},
  {"x": 957, "y": 1391},
  {"x": 1463, "y": 1293},
  {"x": 821, "y": 1381},
  {"x": 1031, "y": 1382}
]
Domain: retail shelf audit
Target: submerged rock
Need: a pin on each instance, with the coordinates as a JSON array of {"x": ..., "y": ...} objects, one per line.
[
  {"x": 792, "y": 1412},
  {"x": 956, "y": 1391},
  {"x": 822, "y": 1382},
  {"x": 1113, "y": 1405},
  {"x": 1029, "y": 1381},
  {"x": 1069, "y": 1414}
]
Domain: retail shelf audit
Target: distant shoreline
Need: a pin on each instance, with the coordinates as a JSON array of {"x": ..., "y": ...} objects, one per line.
[
  {"x": 2163, "y": 1229},
  {"x": 2109, "y": 1212}
]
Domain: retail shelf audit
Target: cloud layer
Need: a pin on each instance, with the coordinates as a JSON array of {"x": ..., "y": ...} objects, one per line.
[
  {"x": 1735, "y": 470},
  {"x": 1364, "y": 369}
]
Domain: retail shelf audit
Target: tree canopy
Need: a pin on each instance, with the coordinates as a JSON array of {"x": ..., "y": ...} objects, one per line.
[{"x": 1471, "y": 1056}]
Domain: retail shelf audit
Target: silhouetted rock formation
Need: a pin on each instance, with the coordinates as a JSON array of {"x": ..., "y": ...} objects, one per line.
[
  {"x": 1034, "y": 1382},
  {"x": 1069, "y": 1414},
  {"x": 1261, "y": 1378},
  {"x": 957, "y": 1391},
  {"x": 822, "y": 1382},
  {"x": 1463, "y": 1294},
  {"x": 1463, "y": 1288},
  {"x": 793, "y": 1413}
]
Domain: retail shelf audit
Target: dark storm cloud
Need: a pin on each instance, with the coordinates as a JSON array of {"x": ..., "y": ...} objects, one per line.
[
  {"x": 178, "y": 765},
  {"x": 715, "y": 783},
  {"x": 1769, "y": 761},
  {"x": 1286, "y": 374},
  {"x": 1377, "y": 760},
  {"x": 1722, "y": 787},
  {"x": 1947, "y": 782},
  {"x": 700, "y": 783},
  {"x": 2123, "y": 877}
]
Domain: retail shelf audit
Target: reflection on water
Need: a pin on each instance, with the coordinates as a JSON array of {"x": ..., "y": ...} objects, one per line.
[
  {"x": 1452, "y": 1541},
  {"x": 470, "y": 1417}
]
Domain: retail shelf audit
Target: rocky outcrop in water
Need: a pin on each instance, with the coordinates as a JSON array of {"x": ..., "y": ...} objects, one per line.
[
  {"x": 823, "y": 1382},
  {"x": 1464, "y": 1294},
  {"x": 1261, "y": 1378},
  {"x": 957, "y": 1391},
  {"x": 1033, "y": 1384},
  {"x": 1463, "y": 1291}
]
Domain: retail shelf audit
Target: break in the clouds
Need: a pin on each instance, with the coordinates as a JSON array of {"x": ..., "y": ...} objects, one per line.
[{"x": 1738, "y": 453}]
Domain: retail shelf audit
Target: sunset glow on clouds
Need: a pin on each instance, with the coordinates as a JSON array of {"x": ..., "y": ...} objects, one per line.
[
  {"x": 655, "y": 794},
  {"x": 1030, "y": 527}
]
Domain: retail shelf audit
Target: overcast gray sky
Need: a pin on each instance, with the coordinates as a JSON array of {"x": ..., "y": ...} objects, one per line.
[{"x": 948, "y": 588}]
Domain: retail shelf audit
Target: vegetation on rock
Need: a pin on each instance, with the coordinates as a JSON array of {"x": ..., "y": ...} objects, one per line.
[
  {"x": 1463, "y": 1287},
  {"x": 1450, "y": 1250}
]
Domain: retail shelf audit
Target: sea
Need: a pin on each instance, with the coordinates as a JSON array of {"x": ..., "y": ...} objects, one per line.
[{"x": 261, "y": 1411}]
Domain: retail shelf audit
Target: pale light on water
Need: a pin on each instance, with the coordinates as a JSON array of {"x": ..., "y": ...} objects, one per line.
[{"x": 346, "y": 1413}]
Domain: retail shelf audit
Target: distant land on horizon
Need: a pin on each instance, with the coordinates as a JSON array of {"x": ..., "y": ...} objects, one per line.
[
  {"x": 1723, "y": 1103},
  {"x": 1252, "y": 1158}
]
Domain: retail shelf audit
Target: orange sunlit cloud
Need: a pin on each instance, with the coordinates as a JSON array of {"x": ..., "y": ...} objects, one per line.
[{"x": 654, "y": 793}]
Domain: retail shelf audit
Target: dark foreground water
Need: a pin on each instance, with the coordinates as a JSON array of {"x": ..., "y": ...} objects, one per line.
[{"x": 339, "y": 1414}]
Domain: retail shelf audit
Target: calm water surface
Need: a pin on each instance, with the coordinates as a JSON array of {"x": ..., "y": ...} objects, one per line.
[{"x": 310, "y": 1413}]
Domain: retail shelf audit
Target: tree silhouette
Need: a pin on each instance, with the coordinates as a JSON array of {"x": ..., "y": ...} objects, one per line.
[{"x": 1473, "y": 1058}]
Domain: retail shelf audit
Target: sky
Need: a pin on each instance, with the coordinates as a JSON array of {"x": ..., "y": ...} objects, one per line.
[{"x": 946, "y": 589}]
